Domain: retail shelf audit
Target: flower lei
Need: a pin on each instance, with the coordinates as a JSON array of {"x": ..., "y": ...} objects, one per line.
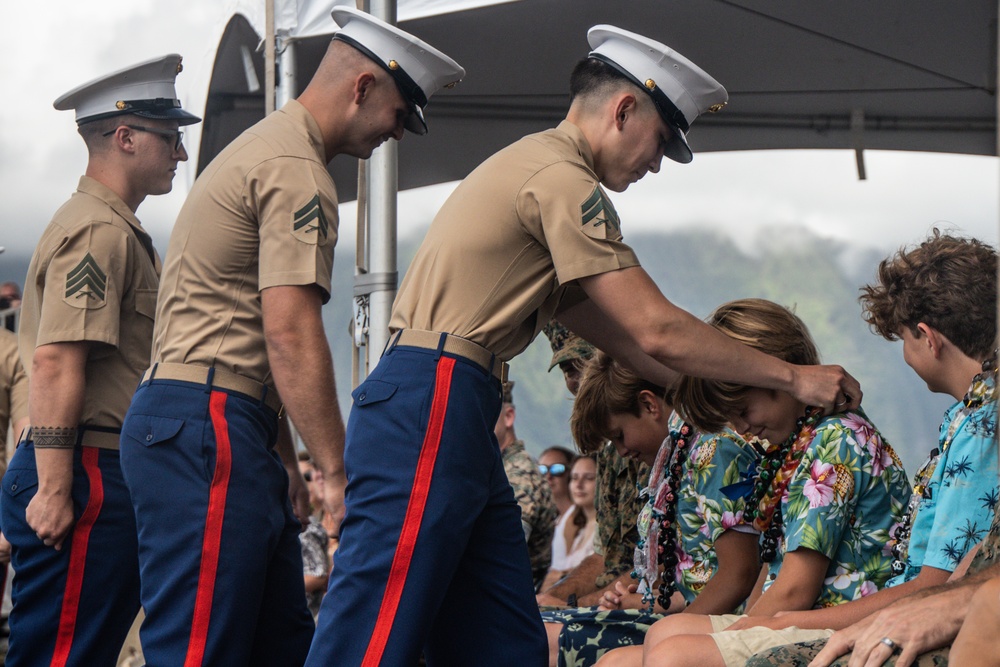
[
  {"x": 981, "y": 390},
  {"x": 657, "y": 533},
  {"x": 774, "y": 474}
]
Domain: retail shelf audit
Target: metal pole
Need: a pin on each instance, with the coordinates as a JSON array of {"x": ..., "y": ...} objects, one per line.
[
  {"x": 288, "y": 88},
  {"x": 383, "y": 184},
  {"x": 268, "y": 57}
]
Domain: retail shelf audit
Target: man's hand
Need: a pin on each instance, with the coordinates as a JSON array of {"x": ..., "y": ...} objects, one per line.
[
  {"x": 4, "y": 550},
  {"x": 50, "y": 515},
  {"x": 830, "y": 388},
  {"x": 298, "y": 493},
  {"x": 333, "y": 499}
]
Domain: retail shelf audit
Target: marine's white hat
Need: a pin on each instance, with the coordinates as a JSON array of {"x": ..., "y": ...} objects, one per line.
[
  {"x": 681, "y": 90},
  {"x": 418, "y": 69},
  {"x": 145, "y": 89}
]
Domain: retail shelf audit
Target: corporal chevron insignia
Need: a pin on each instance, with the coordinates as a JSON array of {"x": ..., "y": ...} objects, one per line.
[
  {"x": 309, "y": 223},
  {"x": 86, "y": 284},
  {"x": 597, "y": 211}
]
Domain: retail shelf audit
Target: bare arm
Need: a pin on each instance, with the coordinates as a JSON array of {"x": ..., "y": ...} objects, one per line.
[
  {"x": 797, "y": 586},
  {"x": 928, "y": 619},
  {"x": 843, "y": 615},
  {"x": 300, "y": 360},
  {"x": 55, "y": 399},
  {"x": 735, "y": 577},
  {"x": 631, "y": 300},
  {"x": 580, "y": 581}
]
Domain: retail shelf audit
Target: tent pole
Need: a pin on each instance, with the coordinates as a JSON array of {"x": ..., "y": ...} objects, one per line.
[
  {"x": 268, "y": 57},
  {"x": 383, "y": 184}
]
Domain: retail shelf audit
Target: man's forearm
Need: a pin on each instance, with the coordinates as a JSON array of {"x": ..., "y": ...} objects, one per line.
[
  {"x": 581, "y": 580},
  {"x": 300, "y": 360}
]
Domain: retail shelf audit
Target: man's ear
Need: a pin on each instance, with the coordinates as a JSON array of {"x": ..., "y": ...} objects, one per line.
[
  {"x": 624, "y": 107},
  {"x": 363, "y": 85},
  {"x": 124, "y": 139},
  {"x": 934, "y": 339}
]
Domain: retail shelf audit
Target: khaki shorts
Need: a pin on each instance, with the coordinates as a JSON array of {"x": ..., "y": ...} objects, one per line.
[{"x": 738, "y": 646}]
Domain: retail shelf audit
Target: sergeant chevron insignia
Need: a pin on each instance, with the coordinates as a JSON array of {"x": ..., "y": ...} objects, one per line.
[
  {"x": 309, "y": 223},
  {"x": 598, "y": 211},
  {"x": 86, "y": 284}
]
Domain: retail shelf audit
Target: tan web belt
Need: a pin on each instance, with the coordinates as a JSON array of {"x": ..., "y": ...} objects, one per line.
[
  {"x": 453, "y": 345},
  {"x": 220, "y": 379}
]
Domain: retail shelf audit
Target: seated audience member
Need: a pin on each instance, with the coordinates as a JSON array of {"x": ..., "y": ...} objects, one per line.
[
  {"x": 828, "y": 491},
  {"x": 554, "y": 464},
  {"x": 574, "y": 537},
  {"x": 314, "y": 539},
  {"x": 618, "y": 501},
  {"x": 940, "y": 299},
  {"x": 693, "y": 544},
  {"x": 538, "y": 512}
]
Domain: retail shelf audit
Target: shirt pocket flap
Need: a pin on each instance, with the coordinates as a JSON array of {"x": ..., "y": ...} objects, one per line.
[{"x": 373, "y": 391}]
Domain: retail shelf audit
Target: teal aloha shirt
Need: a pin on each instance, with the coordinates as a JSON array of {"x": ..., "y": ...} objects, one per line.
[
  {"x": 846, "y": 495},
  {"x": 703, "y": 512}
]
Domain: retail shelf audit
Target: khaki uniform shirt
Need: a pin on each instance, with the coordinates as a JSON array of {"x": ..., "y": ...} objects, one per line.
[
  {"x": 262, "y": 214},
  {"x": 538, "y": 511},
  {"x": 498, "y": 259},
  {"x": 13, "y": 388},
  {"x": 93, "y": 278}
]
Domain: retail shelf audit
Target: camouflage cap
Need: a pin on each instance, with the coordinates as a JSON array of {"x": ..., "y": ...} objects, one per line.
[
  {"x": 566, "y": 345},
  {"x": 508, "y": 392}
]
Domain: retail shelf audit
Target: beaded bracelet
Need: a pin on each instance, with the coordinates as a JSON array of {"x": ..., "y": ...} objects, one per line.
[{"x": 54, "y": 437}]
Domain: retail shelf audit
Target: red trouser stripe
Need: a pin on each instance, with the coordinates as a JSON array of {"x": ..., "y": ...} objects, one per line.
[
  {"x": 213, "y": 532},
  {"x": 414, "y": 515},
  {"x": 78, "y": 558}
]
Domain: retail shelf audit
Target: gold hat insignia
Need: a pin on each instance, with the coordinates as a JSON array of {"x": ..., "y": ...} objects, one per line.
[
  {"x": 716, "y": 108},
  {"x": 393, "y": 64},
  {"x": 180, "y": 67},
  {"x": 451, "y": 85},
  {"x": 120, "y": 105},
  {"x": 650, "y": 84}
]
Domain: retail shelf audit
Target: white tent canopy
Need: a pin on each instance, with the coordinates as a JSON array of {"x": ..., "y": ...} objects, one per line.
[{"x": 896, "y": 74}]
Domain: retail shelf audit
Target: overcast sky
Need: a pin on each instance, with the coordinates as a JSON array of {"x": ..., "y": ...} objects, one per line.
[{"x": 41, "y": 157}]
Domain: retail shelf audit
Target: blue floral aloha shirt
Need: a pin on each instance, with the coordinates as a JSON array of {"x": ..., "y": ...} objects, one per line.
[
  {"x": 956, "y": 488},
  {"x": 846, "y": 495}
]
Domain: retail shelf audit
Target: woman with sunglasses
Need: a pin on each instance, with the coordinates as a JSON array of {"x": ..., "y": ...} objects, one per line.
[
  {"x": 574, "y": 536},
  {"x": 554, "y": 464}
]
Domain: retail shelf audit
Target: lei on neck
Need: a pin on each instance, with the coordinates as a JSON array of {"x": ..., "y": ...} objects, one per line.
[
  {"x": 773, "y": 476},
  {"x": 657, "y": 532},
  {"x": 982, "y": 389}
]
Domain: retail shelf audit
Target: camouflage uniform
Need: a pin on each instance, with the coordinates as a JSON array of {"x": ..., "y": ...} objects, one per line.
[
  {"x": 799, "y": 655},
  {"x": 618, "y": 506},
  {"x": 538, "y": 511}
]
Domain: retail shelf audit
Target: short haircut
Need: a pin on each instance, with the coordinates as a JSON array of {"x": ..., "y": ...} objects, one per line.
[
  {"x": 607, "y": 388},
  {"x": 760, "y": 324},
  {"x": 93, "y": 132},
  {"x": 567, "y": 454},
  {"x": 593, "y": 78},
  {"x": 946, "y": 282}
]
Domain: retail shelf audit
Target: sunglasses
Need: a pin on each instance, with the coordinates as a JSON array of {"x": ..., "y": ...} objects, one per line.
[
  {"x": 174, "y": 137},
  {"x": 556, "y": 469}
]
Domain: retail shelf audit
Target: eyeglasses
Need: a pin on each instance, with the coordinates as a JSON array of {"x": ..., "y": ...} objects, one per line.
[
  {"x": 177, "y": 136},
  {"x": 556, "y": 469}
]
